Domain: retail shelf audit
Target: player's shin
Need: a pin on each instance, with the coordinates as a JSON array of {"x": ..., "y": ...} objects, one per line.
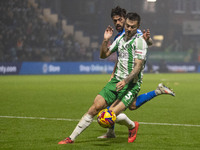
[
  {"x": 143, "y": 98},
  {"x": 85, "y": 121},
  {"x": 122, "y": 119}
]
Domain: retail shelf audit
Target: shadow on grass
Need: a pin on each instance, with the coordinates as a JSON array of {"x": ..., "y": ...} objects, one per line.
[{"x": 122, "y": 137}]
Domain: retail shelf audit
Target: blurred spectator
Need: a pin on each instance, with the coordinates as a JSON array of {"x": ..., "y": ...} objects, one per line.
[
  {"x": 25, "y": 36},
  {"x": 163, "y": 66}
]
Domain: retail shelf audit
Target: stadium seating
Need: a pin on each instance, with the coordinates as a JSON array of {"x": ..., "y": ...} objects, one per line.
[{"x": 31, "y": 33}]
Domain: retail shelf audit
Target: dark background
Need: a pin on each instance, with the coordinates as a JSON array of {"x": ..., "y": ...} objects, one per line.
[{"x": 27, "y": 35}]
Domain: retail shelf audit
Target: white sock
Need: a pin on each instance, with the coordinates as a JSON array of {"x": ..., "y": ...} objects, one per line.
[
  {"x": 122, "y": 119},
  {"x": 85, "y": 121}
]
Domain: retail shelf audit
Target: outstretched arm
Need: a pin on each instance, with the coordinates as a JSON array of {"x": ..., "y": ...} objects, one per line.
[
  {"x": 134, "y": 74},
  {"x": 104, "y": 53},
  {"x": 147, "y": 37}
]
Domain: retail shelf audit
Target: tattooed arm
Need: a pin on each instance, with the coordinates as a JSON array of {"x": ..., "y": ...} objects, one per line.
[
  {"x": 134, "y": 74},
  {"x": 104, "y": 51}
]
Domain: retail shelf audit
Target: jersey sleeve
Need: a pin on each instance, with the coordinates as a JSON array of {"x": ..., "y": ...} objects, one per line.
[
  {"x": 140, "y": 49},
  {"x": 139, "y": 32},
  {"x": 114, "y": 46}
]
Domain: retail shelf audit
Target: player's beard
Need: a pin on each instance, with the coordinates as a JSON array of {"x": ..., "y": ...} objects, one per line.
[
  {"x": 119, "y": 28},
  {"x": 130, "y": 34}
]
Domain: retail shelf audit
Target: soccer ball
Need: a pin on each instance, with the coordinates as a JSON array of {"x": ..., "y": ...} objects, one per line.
[{"x": 106, "y": 118}]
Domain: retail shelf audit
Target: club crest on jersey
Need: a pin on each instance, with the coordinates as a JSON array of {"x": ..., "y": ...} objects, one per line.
[{"x": 127, "y": 46}]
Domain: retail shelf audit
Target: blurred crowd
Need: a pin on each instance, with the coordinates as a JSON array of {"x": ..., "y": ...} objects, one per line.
[{"x": 26, "y": 36}]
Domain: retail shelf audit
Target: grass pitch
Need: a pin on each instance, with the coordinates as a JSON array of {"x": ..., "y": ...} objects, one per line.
[{"x": 69, "y": 97}]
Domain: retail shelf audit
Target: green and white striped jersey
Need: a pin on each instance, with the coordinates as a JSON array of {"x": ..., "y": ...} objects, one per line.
[{"x": 128, "y": 51}]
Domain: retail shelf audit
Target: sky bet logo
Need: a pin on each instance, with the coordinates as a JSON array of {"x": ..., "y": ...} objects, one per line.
[
  {"x": 5, "y": 69},
  {"x": 50, "y": 68}
]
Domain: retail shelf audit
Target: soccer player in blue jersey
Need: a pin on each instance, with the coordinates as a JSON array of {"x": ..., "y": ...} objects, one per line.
[{"x": 118, "y": 16}]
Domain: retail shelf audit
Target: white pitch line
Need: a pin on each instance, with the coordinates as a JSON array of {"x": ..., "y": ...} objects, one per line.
[
  {"x": 170, "y": 124},
  {"x": 65, "y": 119},
  {"x": 39, "y": 118}
]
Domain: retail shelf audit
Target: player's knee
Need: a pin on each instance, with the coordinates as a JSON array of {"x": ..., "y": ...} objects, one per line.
[
  {"x": 132, "y": 107},
  {"x": 94, "y": 109},
  {"x": 98, "y": 107},
  {"x": 99, "y": 103}
]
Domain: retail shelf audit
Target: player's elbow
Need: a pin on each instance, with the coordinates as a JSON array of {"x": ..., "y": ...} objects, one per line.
[
  {"x": 104, "y": 53},
  {"x": 103, "y": 57}
]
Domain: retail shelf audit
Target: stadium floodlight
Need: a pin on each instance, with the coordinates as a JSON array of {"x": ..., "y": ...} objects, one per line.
[{"x": 151, "y": 0}]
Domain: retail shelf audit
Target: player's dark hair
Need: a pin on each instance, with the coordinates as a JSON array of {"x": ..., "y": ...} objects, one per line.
[
  {"x": 118, "y": 11},
  {"x": 133, "y": 17}
]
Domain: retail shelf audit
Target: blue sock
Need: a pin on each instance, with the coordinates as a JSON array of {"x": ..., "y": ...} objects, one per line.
[
  {"x": 141, "y": 99},
  {"x": 114, "y": 125}
]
